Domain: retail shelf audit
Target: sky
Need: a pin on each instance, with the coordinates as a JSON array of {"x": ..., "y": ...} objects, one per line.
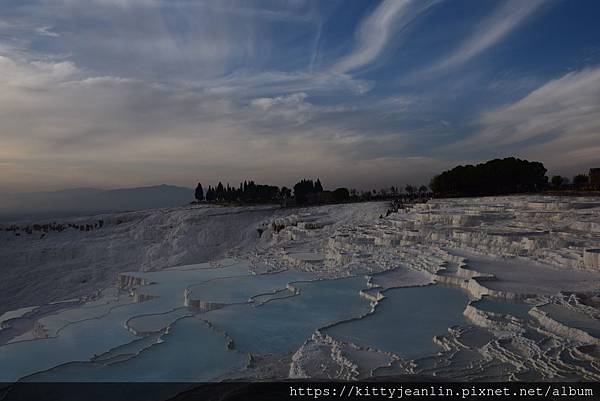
[{"x": 362, "y": 94}]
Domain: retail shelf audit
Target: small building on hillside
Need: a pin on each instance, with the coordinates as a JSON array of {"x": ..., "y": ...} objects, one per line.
[{"x": 595, "y": 178}]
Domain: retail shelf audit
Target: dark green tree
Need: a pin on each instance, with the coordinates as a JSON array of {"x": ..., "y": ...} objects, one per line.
[
  {"x": 210, "y": 194},
  {"x": 341, "y": 195},
  {"x": 580, "y": 181},
  {"x": 285, "y": 193},
  {"x": 199, "y": 193},
  {"x": 302, "y": 189},
  {"x": 220, "y": 192},
  {"x": 557, "y": 181},
  {"x": 495, "y": 177},
  {"x": 318, "y": 187}
]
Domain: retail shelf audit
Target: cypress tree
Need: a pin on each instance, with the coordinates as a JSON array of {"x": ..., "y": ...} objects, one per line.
[
  {"x": 318, "y": 186},
  {"x": 199, "y": 193}
]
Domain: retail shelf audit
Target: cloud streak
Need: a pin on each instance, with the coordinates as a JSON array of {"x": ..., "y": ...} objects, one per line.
[
  {"x": 490, "y": 31},
  {"x": 377, "y": 30},
  {"x": 558, "y": 122}
]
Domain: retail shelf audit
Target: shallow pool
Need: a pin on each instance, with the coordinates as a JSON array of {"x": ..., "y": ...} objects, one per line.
[
  {"x": 504, "y": 307},
  {"x": 282, "y": 325},
  {"x": 192, "y": 351},
  {"x": 405, "y": 322}
]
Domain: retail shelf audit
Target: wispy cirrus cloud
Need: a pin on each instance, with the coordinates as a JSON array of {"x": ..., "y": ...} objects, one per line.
[
  {"x": 269, "y": 82},
  {"x": 558, "y": 122},
  {"x": 489, "y": 32},
  {"x": 376, "y": 31}
]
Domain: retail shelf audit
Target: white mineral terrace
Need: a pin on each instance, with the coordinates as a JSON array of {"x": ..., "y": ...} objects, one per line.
[{"x": 497, "y": 288}]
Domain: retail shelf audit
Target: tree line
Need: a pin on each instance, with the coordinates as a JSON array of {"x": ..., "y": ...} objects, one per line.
[
  {"x": 579, "y": 182},
  {"x": 494, "y": 177},
  {"x": 304, "y": 192},
  {"x": 248, "y": 192}
]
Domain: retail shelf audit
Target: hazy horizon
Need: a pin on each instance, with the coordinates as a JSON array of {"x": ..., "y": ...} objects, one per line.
[{"x": 129, "y": 93}]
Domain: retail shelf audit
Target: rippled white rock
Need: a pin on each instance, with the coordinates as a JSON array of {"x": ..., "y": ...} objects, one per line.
[{"x": 539, "y": 253}]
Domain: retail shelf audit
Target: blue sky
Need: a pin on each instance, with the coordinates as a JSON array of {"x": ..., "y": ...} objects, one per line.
[{"x": 365, "y": 94}]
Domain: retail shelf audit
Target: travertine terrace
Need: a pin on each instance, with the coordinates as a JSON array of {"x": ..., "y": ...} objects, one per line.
[{"x": 498, "y": 288}]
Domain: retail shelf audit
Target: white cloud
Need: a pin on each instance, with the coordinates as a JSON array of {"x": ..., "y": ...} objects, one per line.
[
  {"x": 19, "y": 72},
  {"x": 292, "y": 107},
  {"x": 376, "y": 31},
  {"x": 46, "y": 31},
  {"x": 267, "y": 103}
]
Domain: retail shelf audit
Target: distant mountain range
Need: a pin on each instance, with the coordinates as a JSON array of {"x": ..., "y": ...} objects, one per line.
[{"x": 84, "y": 201}]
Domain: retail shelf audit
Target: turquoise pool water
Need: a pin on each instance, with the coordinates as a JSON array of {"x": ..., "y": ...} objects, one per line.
[
  {"x": 98, "y": 341},
  {"x": 517, "y": 309},
  {"x": 283, "y": 325},
  {"x": 406, "y": 320}
]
